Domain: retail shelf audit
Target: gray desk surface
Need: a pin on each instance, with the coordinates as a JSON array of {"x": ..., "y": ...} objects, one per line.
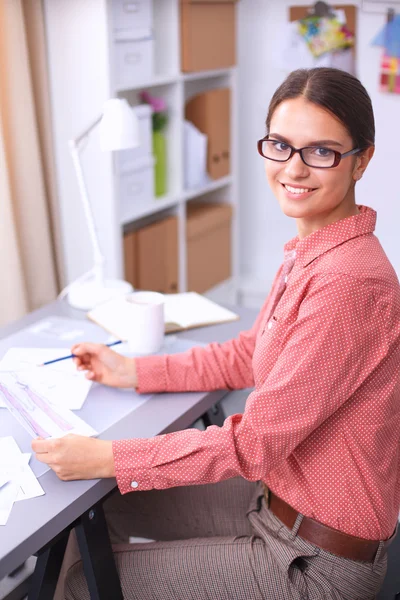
[{"x": 33, "y": 523}]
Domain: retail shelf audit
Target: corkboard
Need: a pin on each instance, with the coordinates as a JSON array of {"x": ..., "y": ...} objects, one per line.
[{"x": 299, "y": 12}]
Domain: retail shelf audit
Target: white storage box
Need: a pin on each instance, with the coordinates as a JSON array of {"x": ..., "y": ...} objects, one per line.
[
  {"x": 129, "y": 16},
  {"x": 133, "y": 61},
  {"x": 126, "y": 159},
  {"x": 136, "y": 189}
]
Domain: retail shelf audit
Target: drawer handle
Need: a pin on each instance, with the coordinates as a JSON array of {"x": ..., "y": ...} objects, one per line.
[
  {"x": 132, "y": 59},
  {"x": 131, "y": 7},
  {"x": 135, "y": 189}
]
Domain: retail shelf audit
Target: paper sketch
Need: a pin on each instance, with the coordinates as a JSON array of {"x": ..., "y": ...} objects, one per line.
[
  {"x": 60, "y": 383},
  {"x": 35, "y": 413}
]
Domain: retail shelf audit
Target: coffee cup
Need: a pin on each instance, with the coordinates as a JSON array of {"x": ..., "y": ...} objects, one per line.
[{"x": 145, "y": 326}]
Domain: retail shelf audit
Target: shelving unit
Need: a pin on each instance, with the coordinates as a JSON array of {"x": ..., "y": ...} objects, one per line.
[{"x": 80, "y": 40}]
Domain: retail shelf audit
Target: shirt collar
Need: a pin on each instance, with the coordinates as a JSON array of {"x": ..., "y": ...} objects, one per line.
[{"x": 330, "y": 236}]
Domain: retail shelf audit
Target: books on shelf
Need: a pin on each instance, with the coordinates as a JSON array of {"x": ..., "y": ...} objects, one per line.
[{"x": 181, "y": 312}]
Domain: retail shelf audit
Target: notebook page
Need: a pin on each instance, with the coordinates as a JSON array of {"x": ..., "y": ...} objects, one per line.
[{"x": 191, "y": 309}]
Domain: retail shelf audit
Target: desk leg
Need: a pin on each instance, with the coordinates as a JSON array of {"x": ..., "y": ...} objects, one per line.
[
  {"x": 47, "y": 570},
  {"x": 214, "y": 416},
  {"x": 97, "y": 556}
]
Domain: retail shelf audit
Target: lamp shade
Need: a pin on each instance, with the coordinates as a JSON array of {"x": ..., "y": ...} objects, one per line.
[{"x": 119, "y": 127}]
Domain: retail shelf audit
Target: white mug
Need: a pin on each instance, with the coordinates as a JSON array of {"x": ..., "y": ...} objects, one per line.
[{"x": 145, "y": 326}]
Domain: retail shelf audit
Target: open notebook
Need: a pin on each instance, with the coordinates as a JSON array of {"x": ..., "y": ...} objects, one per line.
[{"x": 182, "y": 311}]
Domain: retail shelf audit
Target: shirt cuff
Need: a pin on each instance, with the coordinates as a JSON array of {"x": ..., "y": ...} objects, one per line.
[
  {"x": 132, "y": 470},
  {"x": 151, "y": 373}
]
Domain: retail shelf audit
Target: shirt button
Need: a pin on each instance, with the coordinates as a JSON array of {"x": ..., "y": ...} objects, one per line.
[
  {"x": 269, "y": 325},
  {"x": 134, "y": 484},
  {"x": 286, "y": 278}
]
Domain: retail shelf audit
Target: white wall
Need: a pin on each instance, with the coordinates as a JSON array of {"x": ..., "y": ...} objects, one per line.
[{"x": 264, "y": 229}]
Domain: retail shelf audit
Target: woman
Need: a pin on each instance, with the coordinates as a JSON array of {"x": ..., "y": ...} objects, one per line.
[{"x": 320, "y": 430}]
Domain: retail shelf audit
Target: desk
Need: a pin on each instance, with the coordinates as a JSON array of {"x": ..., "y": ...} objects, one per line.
[{"x": 33, "y": 524}]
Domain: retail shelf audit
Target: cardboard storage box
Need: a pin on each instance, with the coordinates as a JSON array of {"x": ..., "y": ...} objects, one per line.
[
  {"x": 210, "y": 113},
  {"x": 151, "y": 256},
  {"x": 209, "y": 247},
  {"x": 208, "y": 32}
]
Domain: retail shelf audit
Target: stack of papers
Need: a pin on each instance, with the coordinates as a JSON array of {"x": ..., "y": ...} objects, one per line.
[{"x": 17, "y": 480}]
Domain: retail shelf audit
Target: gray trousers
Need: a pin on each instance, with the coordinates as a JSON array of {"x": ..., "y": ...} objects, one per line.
[{"x": 218, "y": 542}]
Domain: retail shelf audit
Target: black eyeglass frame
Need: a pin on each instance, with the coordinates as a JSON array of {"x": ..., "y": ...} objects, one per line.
[{"x": 293, "y": 150}]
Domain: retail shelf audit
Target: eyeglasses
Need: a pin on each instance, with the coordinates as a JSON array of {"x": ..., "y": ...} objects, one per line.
[{"x": 313, "y": 156}]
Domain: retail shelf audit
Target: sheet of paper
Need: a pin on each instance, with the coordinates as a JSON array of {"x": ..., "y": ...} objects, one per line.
[
  {"x": 28, "y": 484},
  {"x": 22, "y": 483},
  {"x": 3, "y": 479},
  {"x": 9, "y": 450},
  {"x": 36, "y": 413},
  {"x": 8, "y": 495},
  {"x": 292, "y": 53},
  {"x": 19, "y": 472},
  {"x": 57, "y": 328},
  {"x": 9, "y": 454},
  {"x": 60, "y": 382}
]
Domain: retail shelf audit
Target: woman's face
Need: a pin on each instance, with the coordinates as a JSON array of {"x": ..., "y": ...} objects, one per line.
[{"x": 314, "y": 197}]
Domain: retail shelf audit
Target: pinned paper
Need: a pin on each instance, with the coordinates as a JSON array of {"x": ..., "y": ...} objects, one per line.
[
  {"x": 389, "y": 38},
  {"x": 295, "y": 54},
  {"x": 390, "y": 75},
  {"x": 325, "y": 34}
]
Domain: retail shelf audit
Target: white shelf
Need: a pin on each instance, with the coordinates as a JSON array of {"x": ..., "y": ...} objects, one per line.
[
  {"x": 83, "y": 74},
  {"x": 157, "y": 205},
  {"x": 206, "y": 74},
  {"x": 167, "y": 79},
  {"x": 206, "y": 189},
  {"x": 168, "y": 201},
  {"x": 154, "y": 81}
]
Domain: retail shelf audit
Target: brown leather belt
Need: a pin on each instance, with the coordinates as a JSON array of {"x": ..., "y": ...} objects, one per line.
[{"x": 332, "y": 540}]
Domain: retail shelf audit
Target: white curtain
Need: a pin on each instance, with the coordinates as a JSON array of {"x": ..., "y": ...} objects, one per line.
[{"x": 28, "y": 274}]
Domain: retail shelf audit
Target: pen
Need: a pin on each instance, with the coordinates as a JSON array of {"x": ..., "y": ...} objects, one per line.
[{"x": 50, "y": 362}]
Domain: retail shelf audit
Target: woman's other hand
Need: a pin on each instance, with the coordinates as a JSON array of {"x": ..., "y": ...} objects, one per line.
[
  {"x": 104, "y": 365},
  {"x": 76, "y": 457}
]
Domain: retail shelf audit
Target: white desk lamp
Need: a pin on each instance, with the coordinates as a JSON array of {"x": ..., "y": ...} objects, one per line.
[{"x": 119, "y": 129}]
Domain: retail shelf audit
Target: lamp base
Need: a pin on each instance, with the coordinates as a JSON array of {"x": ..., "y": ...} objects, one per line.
[{"x": 88, "y": 294}]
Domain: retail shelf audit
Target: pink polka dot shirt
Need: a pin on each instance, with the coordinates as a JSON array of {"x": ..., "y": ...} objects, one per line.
[{"x": 321, "y": 427}]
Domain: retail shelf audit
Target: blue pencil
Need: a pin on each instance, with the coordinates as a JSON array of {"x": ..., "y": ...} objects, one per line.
[{"x": 50, "y": 362}]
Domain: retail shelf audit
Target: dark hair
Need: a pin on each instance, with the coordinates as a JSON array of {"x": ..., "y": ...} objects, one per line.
[{"x": 335, "y": 90}]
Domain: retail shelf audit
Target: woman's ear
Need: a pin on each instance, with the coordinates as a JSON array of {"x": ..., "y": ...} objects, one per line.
[{"x": 362, "y": 162}]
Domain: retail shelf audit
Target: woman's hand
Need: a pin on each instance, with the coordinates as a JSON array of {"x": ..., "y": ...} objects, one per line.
[
  {"x": 76, "y": 456},
  {"x": 104, "y": 365}
]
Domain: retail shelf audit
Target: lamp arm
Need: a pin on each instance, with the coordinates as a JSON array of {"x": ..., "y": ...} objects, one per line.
[
  {"x": 86, "y": 132},
  {"x": 97, "y": 254}
]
